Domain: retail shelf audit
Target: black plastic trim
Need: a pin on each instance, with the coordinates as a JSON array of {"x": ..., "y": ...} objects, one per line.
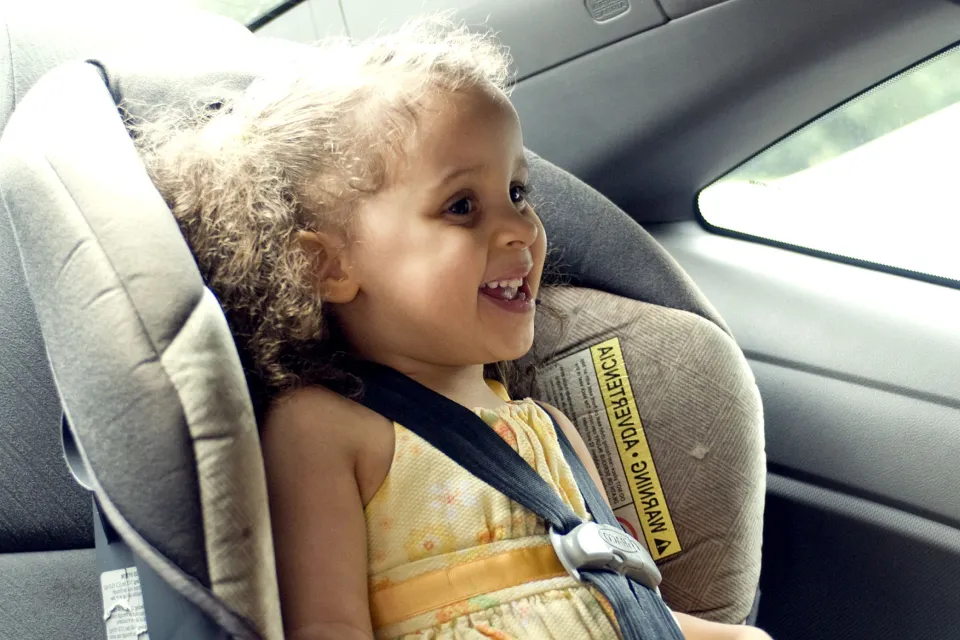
[
  {"x": 276, "y": 12},
  {"x": 837, "y": 567}
]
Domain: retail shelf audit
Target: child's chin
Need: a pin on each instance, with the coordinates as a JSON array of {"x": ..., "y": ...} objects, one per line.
[{"x": 515, "y": 351}]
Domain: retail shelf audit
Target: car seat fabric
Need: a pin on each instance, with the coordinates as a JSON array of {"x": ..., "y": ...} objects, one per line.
[
  {"x": 40, "y": 506},
  {"x": 48, "y": 581},
  {"x": 138, "y": 347},
  {"x": 154, "y": 389},
  {"x": 593, "y": 243}
]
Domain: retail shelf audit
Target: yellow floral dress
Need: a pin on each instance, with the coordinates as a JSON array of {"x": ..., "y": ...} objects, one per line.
[{"x": 431, "y": 516}]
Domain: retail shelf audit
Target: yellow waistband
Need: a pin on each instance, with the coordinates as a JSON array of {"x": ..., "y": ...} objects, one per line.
[{"x": 394, "y": 603}]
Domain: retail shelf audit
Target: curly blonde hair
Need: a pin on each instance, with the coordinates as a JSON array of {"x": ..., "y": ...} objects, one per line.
[{"x": 296, "y": 152}]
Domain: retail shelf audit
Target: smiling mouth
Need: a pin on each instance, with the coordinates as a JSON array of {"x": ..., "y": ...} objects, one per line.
[{"x": 507, "y": 290}]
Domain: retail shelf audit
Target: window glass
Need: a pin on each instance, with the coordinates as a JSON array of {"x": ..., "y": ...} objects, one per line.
[{"x": 877, "y": 179}]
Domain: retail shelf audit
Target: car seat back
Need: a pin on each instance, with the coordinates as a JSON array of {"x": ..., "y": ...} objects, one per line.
[
  {"x": 154, "y": 391},
  {"x": 48, "y": 581}
]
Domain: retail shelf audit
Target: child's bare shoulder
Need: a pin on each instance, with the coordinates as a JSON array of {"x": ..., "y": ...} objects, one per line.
[
  {"x": 320, "y": 415},
  {"x": 314, "y": 424}
]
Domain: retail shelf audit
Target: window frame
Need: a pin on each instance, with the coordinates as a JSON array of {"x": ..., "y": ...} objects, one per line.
[{"x": 820, "y": 253}]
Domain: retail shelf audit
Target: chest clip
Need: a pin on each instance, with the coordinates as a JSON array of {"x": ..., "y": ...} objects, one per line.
[{"x": 602, "y": 547}]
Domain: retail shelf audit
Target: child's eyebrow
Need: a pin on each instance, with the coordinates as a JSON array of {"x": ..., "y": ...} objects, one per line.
[
  {"x": 521, "y": 165},
  {"x": 456, "y": 173}
]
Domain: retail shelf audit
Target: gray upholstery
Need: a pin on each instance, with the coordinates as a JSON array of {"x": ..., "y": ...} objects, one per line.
[
  {"x": 58, "y": 158},
  {"x": 128, "y": 330},
  {"x": 49, "y": 596},
  {"x": 593, "y": 243},
  {"x": 41, "y": 507}
]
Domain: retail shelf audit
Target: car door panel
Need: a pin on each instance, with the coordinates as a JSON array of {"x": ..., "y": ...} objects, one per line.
[
  {"x": 838, "y": 566},
  {"x": 859, "y": 372}
]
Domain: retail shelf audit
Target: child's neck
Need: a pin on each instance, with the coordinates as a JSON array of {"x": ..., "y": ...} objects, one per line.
[{"x": 464, "y": 385}]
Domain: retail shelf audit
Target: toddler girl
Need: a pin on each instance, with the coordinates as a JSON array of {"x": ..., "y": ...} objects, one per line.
[{"x": 373, "y": 202}]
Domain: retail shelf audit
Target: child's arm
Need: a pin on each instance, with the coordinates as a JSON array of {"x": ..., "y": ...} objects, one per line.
[
  {"x": 579, "y": 447},
  {"x": 696, "y": 629},
  {"x": 316, "y": 508},
  {"x": 693, "y": 628}
]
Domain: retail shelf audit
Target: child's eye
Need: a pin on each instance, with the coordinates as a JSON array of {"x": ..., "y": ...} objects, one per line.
[
  {"x": 518, "y": 193},
  {"x": 462, "y": 207}
]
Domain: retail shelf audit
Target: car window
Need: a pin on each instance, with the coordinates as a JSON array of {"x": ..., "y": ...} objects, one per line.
[{"x": 874, "y": 180}]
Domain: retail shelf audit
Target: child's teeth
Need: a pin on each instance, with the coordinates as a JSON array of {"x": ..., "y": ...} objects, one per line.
[{"x": 505, "y": 284}]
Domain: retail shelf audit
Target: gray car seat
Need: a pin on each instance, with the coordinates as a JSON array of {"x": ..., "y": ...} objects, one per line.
[{"x": 100, "y": 289}]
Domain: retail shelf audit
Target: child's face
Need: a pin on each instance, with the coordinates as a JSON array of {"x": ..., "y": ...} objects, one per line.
[{"x": 452, "y": 218}]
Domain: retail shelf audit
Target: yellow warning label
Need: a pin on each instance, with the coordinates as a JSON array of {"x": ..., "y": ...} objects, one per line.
[{"x": 635, "y": 456}]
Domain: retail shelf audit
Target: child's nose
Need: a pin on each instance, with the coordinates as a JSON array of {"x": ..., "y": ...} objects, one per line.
[{"x": 517, "y": 230}]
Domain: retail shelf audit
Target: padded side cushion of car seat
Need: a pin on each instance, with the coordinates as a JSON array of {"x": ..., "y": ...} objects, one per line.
[
  {"x": 593, "y": 243},
  {"x": 41, "y": 506},
  {"x": 138, "y": 347},
  {"x": 699, "y": 410}
]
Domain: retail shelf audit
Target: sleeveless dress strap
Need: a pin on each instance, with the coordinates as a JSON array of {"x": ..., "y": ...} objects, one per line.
[{"x": 499, "y": 389}]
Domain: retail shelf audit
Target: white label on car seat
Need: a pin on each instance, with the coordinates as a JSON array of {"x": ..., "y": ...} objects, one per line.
[
  {"x": 123, "y": 611},
  {"x": 593, "y": 389}
]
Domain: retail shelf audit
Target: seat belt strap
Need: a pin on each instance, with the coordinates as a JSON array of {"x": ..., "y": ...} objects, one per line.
[
  {"x": 588, "y": 489},
  {"x": 601, "y": 511},
  {"x": 595, "y": 552}
]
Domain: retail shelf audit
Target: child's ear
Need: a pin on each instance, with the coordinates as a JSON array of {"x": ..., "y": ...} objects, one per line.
[{"x": 332, "y": 275}]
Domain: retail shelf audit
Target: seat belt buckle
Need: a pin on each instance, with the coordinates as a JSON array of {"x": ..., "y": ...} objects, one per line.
[{"x": 594, "y": 546}]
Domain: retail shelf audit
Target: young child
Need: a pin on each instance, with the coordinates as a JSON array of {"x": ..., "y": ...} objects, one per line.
[{"x": 374, "y": 202}]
